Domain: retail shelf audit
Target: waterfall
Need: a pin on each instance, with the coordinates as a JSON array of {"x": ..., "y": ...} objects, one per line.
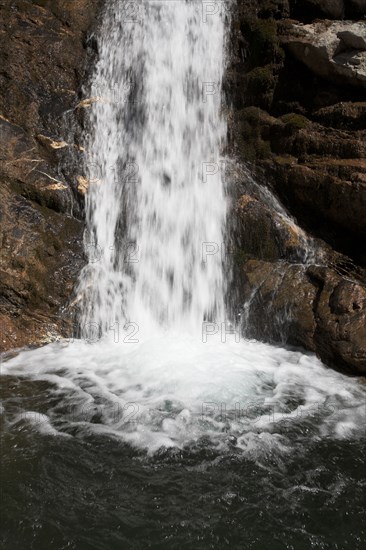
[
  {"x": 156, "y": 212},
  {"x": 156, "y": 205}
]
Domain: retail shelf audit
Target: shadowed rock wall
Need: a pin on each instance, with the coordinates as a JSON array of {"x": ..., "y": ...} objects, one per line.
[{"x": 297, "y": 86}]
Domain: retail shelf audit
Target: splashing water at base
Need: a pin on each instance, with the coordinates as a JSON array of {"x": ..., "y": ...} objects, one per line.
[
  {"x": 159, "y": 195},
  {"x": 165, "y": 433},
  {"x": 174, "y": 391}
]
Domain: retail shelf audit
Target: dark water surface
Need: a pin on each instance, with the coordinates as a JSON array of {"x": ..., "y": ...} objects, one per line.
[{"x": 93, "y": 491}]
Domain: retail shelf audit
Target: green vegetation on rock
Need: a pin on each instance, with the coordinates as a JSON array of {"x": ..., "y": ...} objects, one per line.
[
  {"x": 260, "y": 80},
  {"x": 262, "y": 34},
  {"x": 254, "y": 133},
  {"x": 295, "y": 121},
  {"x": 260, "y": 86}
]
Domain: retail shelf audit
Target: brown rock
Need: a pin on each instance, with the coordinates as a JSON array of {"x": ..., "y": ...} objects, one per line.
[
  {"x": 278, "y": 303},
  {"x": 313, "y": 307},
  {"x": 44, "y": 53},
  {"x": 344, "y": 115},
  {"x": 337, "y": 214},
  {"x": 308, "y": 148},
  {"x": 266, "y": 234},
  {"x": 341, "y": 323}
]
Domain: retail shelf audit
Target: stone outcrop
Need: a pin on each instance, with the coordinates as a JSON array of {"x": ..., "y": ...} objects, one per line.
[
  {"x": 296, "y": 84},
  {"x": 332, "y": 50},
  {"x": 294, "y": 289},
  {"x": 44, "y": 54},
  {"x": 299, "y": 121},
  {"x": 312, "y": 306}
]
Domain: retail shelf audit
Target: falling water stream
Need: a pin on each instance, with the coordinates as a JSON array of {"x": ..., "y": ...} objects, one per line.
[
  {"x": 234, "y": 443},
  {"x": 160, "y": 199}
]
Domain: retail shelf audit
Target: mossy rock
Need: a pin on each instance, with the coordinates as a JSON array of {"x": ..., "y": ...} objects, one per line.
[
  {"x": 264, "y": 42},
  {"x": 261, "y": 79},
  {"x": 253, "y": 148},
  {"x": 261, "y": 83},
  {"x": 254, "y": 115},
  {"x": 295, "y": 122},
  {"x": 254, "y": 129}
]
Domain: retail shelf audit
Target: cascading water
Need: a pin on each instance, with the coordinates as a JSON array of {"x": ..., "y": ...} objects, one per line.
[
  {"x": 156, "y": 137},
  {"x": 166, "y": 373},
  {"x": 157, "y": 429}
]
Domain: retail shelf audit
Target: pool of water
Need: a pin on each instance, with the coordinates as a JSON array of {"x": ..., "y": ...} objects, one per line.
[{"x": 180, "y": 446}]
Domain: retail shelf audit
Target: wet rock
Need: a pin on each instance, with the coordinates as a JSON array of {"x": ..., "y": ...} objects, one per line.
[
  {"x": 309, "y": 306},
  {"x": 340, "y": 337},
  {"x": 278, "y": 303},
  {"x": 265, "y": 233},
  {"x": 337, "y": 214},
  {"x": 44, "y": 56},
  {"x": 303, "y": 137}
]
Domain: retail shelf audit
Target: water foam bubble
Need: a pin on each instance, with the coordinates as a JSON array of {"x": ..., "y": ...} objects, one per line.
[{"x": 175, "y": 390}]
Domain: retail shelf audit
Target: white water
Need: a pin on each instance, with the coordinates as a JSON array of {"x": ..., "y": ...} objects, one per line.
[
  {"x": 173, "y": 390},
  {"x": 155, "y": 152},
  {"x": 156, "y": 378}
]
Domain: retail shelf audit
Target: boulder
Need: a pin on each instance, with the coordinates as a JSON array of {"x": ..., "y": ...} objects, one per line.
[
  {"x": 310, "y": 306},
  {"x": 278, "y": 303},
  {"x": 335, "y": 51},
  {"x": 267, "y": 233},
  {"x": 340, "y": 314}
]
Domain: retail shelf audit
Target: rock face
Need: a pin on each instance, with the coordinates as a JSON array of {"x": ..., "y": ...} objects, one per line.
[
  {"x": 299, "y": 121},
  {"x": 330, "y": 8},
  {"x": 44, "y": 52},
  {"x": 296, "y": 84},
  {"x": 309, "y": 306},
  {"x": 295, "y": 289},
  {"x": 335, "y": 51}
]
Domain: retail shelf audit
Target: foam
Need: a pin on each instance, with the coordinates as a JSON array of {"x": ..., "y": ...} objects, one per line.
[{"x": 173, "y": 391}]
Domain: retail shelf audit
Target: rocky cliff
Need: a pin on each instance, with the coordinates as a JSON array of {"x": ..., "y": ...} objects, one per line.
[
  {"x": 296, "y": 94},
  {"x": 297, "y": 84},
  {"x": 45, "y": 52}
]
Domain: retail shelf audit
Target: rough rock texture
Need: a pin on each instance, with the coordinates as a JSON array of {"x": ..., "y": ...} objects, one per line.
[
  {"x": 299, "y": 120},
  {"x": 310, "y": 306},
  {"x": 334, "y": 51},
  {"x": 44, "y": 50},
  {"x": 296, "y": 84}
]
